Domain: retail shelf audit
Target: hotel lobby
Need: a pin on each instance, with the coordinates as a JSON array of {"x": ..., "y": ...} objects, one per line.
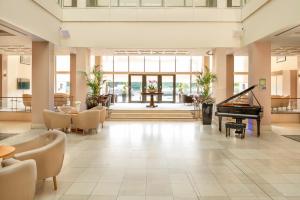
[{"x": 149, "y": 100}]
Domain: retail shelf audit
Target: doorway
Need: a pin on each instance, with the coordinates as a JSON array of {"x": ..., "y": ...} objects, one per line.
[{"x": 138, "y": 83}]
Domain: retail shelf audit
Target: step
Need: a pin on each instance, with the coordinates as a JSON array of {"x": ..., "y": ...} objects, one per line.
[{"x": 158, "y": 114}]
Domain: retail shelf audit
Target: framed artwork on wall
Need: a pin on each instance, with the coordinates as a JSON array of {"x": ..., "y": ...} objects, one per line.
[
  {"x": 280, "y": 59},
  {"x": 26, "y": 60},
  {"x": 262, "y": 84}
]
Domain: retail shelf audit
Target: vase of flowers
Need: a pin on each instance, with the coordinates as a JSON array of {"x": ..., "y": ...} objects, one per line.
[{"x": 152, "y": 86}]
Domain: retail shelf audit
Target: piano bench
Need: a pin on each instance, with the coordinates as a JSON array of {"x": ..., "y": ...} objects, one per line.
[{"x": 239, "y": 127}]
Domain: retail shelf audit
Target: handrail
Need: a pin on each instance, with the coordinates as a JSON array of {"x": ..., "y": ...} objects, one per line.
[
  {"x": 24, "y": 104},
  {"x": 139, "y": 3}
]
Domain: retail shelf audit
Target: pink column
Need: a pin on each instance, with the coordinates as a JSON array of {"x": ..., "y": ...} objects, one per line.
[
  {"x": 82, "y": 65},
  {"x": 219, "y": 68},
  {"x": 3, "y": 74},
  {"x": 260, "y": 69},
  {"x": 42, "y": 80}
]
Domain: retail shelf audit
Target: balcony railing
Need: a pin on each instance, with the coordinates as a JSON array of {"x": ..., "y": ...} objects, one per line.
[
  {"x": 148, "y": 3},
  {"x": 285, "y": 105},
  {"x": 24, "y": 104}
]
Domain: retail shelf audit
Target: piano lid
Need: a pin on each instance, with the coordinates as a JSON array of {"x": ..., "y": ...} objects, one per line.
[{"x": 240, "y": 94}]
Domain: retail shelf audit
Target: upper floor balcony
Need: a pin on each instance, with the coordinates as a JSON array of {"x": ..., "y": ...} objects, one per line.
[{"x": 151, "y": 3}]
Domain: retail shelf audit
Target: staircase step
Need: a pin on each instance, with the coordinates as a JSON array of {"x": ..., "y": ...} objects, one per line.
[{"x": 152, "y": 114}]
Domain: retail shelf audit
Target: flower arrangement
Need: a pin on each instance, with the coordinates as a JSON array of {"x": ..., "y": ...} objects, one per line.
[{"x": 152, "y": 85}]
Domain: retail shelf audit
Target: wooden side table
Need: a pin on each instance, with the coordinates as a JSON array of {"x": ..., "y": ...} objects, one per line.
[
  {"x": 6, "y": 151},
  {"x": 152, "y": 104}
]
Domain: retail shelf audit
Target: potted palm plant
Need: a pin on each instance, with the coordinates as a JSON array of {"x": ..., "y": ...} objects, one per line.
[
  {"x": 94, "y": 82},
  {"x": 124, "y": 92},
  {"x": 204, "y": 81}
]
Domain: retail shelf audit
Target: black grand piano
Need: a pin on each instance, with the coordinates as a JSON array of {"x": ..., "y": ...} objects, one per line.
[{"x": 238, "y": 109}]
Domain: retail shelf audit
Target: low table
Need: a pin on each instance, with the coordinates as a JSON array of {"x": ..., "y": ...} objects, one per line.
[
  {"x": 152, "y": 104},
  {"x": 6, "y": 151}
]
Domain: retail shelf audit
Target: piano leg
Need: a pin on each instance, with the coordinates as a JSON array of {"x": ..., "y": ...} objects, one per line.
[
  {"x": 220, "y": 123},
  {"x": 258, "y": 127}
]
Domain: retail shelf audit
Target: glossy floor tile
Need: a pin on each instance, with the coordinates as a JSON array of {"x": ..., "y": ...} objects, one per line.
[{"x": 176, "y": 161}]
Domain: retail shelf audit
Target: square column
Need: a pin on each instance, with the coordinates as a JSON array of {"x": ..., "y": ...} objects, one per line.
[
  {"x": 219, "y": 68},
  {"x": 82, "y": 65},
  {"x": 229, "y": 75},
  {"x": 3, "y": 78},
  {"x": 3, "y": 75},
  {"x": 73, "y": 75},
  {"x": 260, "y": 69},
  {"x": 43, "y": 72}
]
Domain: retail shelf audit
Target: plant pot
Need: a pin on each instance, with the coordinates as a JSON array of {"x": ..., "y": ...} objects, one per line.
[
  {"x": 91, "y": 101},
  {"x": 207, "y": 110},
  {"x": 151, "y": 90},
  {"x": 124, "y": 98}
]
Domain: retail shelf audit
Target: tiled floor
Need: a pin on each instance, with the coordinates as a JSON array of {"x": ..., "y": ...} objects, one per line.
[{"x": 176, "y": 161}]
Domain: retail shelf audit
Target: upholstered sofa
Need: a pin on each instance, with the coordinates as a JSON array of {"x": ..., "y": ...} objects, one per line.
[
  {"x": 48, "y": 150},
  {"x": 187, "y": 99},
  {"x": 17, "y": 179},
  {"x": 55, "y": 120}
]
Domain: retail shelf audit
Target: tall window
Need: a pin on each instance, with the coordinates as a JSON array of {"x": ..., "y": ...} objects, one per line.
[
  {"x": 240, "y": 73},
  {"x": 167, "y": 63},
  {"x": 62, "y": 78},
  {"x": 277, "y": 84},
  {"x": 117, "y": 68}
]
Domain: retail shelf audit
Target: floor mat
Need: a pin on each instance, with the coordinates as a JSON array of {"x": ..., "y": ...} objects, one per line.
[
  {"x": 6, "y": 135},
  {"x": 293, "y": 137}
]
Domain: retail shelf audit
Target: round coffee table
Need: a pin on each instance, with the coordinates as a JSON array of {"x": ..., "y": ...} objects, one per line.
[{"x": 6, "y": 151}]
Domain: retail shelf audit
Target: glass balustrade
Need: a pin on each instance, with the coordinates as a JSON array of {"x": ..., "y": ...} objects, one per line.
[{"x": 149, "y": 3}]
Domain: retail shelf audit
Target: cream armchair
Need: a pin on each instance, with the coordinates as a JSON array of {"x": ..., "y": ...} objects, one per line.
[
  {"x": 54, "y": 120},
  {"x": 103, "y": 111},
  {"x": 27, "y": 101},
  {"x": 47, "y": 150},
  {"x": 17, "y": 179},
  {"x": 86, "y": 120}
]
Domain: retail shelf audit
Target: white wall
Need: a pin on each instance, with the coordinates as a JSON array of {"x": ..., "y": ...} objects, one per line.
[
  {"x": 291, "y": 63},
  {"x": 152, "y": 34},
  {"x": 31, "y": 18},
  {"x": 142, "y": 14},
  {"x": 17, "y": 70},
  {"x": 276, "y": 15}
]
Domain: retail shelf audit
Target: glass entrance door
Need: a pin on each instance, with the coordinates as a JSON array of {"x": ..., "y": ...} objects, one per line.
[
  {"x": 135, "y": 88},
  {"x": 152, "y": 79},
  {"x": 138, "y": 83},
  {"x": 167, "y": 84}
]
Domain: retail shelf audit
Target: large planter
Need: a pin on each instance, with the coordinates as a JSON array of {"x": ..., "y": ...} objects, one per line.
[
  {"x": 124, "y": 98},
  {"x": 91, "y": 101},
  {"x": 207, "y": 110}
]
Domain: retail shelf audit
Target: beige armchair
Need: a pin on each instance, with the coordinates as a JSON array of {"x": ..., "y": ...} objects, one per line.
[
  {"x": 17, "y": 179},
  {"x": 54, "y": 120},
  {"x": 86, "y": 120},
  {"x": 60, "y": 99},
  {"x": 103, "y": 111},
  {"x": 27, "y": 101},
  {"x": 47, "y": 150}
]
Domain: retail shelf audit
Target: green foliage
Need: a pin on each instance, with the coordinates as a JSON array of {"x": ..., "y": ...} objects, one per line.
[
  {"x": 94, "y": 81},
  {"x": 181, "y": 87},
  {"x": 124, "y": 89},
  {"x": 204, "y": 81}
]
